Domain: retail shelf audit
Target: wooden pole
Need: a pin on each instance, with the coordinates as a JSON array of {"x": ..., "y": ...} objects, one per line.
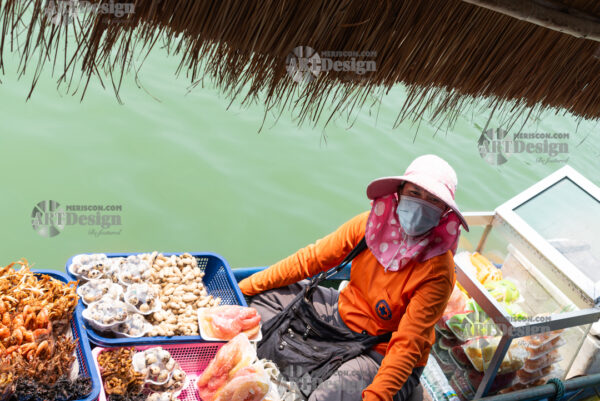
[{"x": 548, "y": 14}]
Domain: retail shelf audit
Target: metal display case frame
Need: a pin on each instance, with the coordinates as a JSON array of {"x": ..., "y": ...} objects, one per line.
[{"x": 549, "y": 265}]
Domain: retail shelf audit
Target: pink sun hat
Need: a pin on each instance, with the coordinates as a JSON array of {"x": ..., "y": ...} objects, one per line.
[{"x": 430, "y": 172}]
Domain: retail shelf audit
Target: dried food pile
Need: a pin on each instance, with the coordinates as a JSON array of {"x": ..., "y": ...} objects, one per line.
[
  {"x": 142, "y": 295},
  {"x": 37, "y": 352},
  {"x": 151, "y": 374}
]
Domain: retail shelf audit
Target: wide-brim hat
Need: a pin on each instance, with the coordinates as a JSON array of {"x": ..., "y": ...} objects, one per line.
[{"x": 430, "y": 172}]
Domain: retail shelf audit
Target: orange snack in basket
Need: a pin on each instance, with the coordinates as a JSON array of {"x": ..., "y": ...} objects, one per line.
[{"x": 227, "y": 321}]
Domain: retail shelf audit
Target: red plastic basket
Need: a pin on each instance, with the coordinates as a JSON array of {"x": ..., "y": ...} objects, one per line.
[{"x": 193, "y": 359}]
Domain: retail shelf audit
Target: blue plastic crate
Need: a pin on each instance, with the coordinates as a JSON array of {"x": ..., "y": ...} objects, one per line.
[
  {"x": 83, "y": 349},
  {"x": 218, "y": 280}
]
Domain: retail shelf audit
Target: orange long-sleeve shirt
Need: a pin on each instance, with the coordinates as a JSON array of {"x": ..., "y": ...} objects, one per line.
[{"x": 408, "y": 302}]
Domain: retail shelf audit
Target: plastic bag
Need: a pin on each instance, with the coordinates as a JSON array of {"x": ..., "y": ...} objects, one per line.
[
  {"x": 472, "y": 323},
  {"x": 142, "y": 298},
  {"x": 94, "y": 290},
  {"x": 89, "y": 267},
  {"x": 135, "y": 326},
  {"x": 105, "y": 314},
  {"x": 156, "y": 364},
  {"x": 234, "y": 356},
  {"x": 503, "y": 290},
  {"x": 248, "y": 384},
  {"x": 134, "y": 270},
  {"x": 481, "y": 350}
]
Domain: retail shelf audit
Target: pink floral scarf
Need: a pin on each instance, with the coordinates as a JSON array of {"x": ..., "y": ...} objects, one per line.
[{"x": 394, "y": 249}]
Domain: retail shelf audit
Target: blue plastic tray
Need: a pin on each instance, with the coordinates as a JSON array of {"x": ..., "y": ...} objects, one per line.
[
  {"x": 218, "y": 280},
  {"x": 83, "y": 349}
]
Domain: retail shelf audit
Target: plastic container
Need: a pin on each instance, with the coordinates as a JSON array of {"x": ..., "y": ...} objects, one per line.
[
  {"x": 538, "y": 340},
  {"x": 459, "y": 357},
  {"x": 156, "y": 363},
  {"x": 112, "y": 273},
  {"x": 132, "y": 272},
  {"x": 94, "y": 290},
  {"x": 536, "y": 348},
  {"x": 457, "y": 353},
  {"x": 85, "y": 359},
  {"x": 462, "y": 386},
  {"x": 444, "y": 332},
  {"x": 531, "y": 365},
  {"x": 447, "y": 343},
  {"x": 105, "y": 314},
  {"x": 192, "y": 358},
  {"x": 134, "y": 327},
  {"x": 218, "y": 280},
  {"x": 528, "y": 378},
  {"x": 546, "y": 348},
  {"x": 442, "y": 356},
  {"x": 176, "y": 384},
  {"x": 142, "y": 298},
  {"x": 500, "y": 382},
  {"x": 81, "y": 266}
]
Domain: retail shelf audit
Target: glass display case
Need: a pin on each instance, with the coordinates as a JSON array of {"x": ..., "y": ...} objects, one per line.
[{"x": 530, "y": 279}]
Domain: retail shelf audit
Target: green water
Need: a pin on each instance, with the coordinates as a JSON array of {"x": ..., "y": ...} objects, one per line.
[{"x": 192, "y": 175}]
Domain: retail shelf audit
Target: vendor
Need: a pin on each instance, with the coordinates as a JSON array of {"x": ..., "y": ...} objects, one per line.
[{"x": 400, "y": 284}]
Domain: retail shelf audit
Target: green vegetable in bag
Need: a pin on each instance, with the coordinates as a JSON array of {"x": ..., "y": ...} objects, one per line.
[
  {"x": 515, "y": 311},
  {"x": 503, "y": 290}
]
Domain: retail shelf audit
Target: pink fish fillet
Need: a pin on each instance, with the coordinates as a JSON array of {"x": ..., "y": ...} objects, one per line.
[
  {"x": 247, "y": 385},
  {"x": 229, "y": 320},
  {"x": 233, "y": 356}
]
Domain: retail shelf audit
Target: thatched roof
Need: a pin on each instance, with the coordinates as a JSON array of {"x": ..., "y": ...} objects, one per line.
[{"x": 447, "y": 52}]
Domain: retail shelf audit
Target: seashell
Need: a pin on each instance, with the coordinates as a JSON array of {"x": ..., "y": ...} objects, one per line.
[
  {"x": 164, "y": 375},
  {"x": 94, "y": 274},
  {"x": 150, "y": 359},
  {"x": 178, "y": 375}
]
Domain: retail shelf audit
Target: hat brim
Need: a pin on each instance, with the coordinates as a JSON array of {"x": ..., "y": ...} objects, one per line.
[{"x": 389, "y": 185}]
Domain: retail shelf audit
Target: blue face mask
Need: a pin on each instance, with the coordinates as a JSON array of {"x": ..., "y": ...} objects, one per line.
[{"x": 417, "y": 216}]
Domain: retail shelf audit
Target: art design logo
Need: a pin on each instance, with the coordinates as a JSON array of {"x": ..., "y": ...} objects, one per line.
[
  {"x": 304, "y": 64},
  {"x": 490, "y": 146},
  {"x": 49, "y": 218},
  {"x": 65, "y": 11},
  {"x": 496, "y": 146}
]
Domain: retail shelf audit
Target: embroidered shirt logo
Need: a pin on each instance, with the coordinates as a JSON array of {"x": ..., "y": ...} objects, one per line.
[{"x": 383, "y": 310}]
